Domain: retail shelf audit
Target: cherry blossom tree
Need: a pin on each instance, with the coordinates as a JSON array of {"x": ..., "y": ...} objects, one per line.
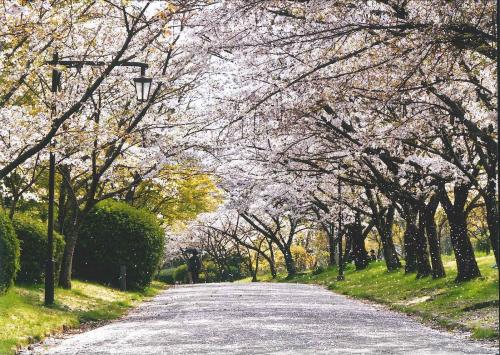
[
  {"x": 395, "y": 97},
  {"x": 282, "y": 102}
]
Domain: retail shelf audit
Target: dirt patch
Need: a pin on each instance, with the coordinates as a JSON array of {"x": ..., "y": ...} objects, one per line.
[{"x": 484, "y": 317}]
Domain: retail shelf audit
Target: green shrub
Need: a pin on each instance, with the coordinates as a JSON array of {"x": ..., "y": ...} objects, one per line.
[
  {"x": 209, "y": 272},
  {"x": 181, "y": 274},
  {"x": 115, "y": 234},
  {"x": 320, "y": 269},
  {"x": 32, "y": 234},
  {"x": 9, "y": 253},
  {"x": 167, "y": 276}
]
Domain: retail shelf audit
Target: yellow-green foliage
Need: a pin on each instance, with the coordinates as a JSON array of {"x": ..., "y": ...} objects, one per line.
[
  {"x": 187, "y": 194},
  {"x": 24, "y": 319},
  {"x": 303, "y": 260}
]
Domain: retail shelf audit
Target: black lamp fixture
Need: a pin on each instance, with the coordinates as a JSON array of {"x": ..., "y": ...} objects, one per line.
[{"x": 142, "y": 86}]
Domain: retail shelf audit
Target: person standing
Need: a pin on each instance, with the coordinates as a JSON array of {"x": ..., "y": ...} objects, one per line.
[{"x": 194, "y": 267}]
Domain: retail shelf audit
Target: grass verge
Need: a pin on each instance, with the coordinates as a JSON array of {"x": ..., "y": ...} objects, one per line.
[
  {"x": 24, "y": 319},
  {"x": 471, "y": 306}
]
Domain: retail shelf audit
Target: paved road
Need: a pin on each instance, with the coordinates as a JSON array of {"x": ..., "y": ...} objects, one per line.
[{"x": 262, "y": 318}]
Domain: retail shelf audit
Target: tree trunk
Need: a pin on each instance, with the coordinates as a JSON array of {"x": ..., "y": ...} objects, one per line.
[
  {"x": 272, "y": 264},
  {"x": 417, "y": 257},
  {"x": 434, "y": 243},
  {"x": 67, "y": 262},
  {"x": 61, "y": 207},
  {"x": 331, "y": 245},
  {"x": 490, "y": 197},
  {"x": 464, "y": 253},
  {"x": 467, "y": 268},
  {"x": 390, "y": 255},
  {"x": 384, "y": 228},
  {"x": 254, "y": 274},
  {"x": 492, "y": 217},
  {"x": 289, "y": 262},
  {"x": 423, "y": 265},
  {"x": 410, "y": 248},
  {"x": 249, "y": 262},
  {"x": 359, "y": 252},
  {"x": 348, "y": 255},
  {"x": 13, "y": 205}
]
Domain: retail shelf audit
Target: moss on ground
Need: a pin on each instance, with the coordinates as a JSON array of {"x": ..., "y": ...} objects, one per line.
[{"x": 24, "y": 319}]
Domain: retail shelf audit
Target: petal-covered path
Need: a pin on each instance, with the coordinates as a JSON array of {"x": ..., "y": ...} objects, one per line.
[{"x": 263, "y": 318}]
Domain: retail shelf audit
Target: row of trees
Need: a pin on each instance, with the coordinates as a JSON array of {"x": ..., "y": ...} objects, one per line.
[
  {"x": 305, "y": 113},
  {"x": 348, "y": 117},
  {"x": 107, "y": 145}
]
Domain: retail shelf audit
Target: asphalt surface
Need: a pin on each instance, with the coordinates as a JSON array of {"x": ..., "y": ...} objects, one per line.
[{"x": 262, "y": 318}]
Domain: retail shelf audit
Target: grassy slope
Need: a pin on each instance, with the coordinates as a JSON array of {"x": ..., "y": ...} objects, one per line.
[
  {"x": 24, "y": 319},
  {"x": 440, "y": 301}
]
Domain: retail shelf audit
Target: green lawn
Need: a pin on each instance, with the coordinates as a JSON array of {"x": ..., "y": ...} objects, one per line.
[
  {"x": 471, "y": 305},
  {"x": 24, "y": 319}
]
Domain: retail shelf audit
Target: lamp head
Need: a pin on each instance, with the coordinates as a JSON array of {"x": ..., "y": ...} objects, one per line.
[{"x": 142, "y": 88}]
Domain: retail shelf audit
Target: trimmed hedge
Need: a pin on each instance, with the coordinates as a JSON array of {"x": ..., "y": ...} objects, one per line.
[
  {"x": 167, "y": 276},
  {"x": 174, "y": 275},
  {"x": 32, "y": 234},
  {"x": 9, "y": 253},
  {"x": 113, "y": 234},
  {"x": 181, "y": 274},
  {"x": 209, "y": 272}
]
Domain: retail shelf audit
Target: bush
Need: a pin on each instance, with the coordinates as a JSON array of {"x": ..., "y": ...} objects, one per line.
[
  {"x": 9, "y": 253},
  {"x": 167, "y": 276},
  {"x": 115, "y": 234},
  {"x": 209, "y": 272},
  {"x": 32, "y": 234},
  {"x": 303, "y": 260},
  {"x": 318, "y": 270},
  {"x": 181, "y": 274}
]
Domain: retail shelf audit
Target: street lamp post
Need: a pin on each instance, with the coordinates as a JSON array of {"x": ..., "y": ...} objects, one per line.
[
  {"x": 340, "y": 276},
  {"x": 49, "y": 266},
  {"x": 142, "y": 88}
]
